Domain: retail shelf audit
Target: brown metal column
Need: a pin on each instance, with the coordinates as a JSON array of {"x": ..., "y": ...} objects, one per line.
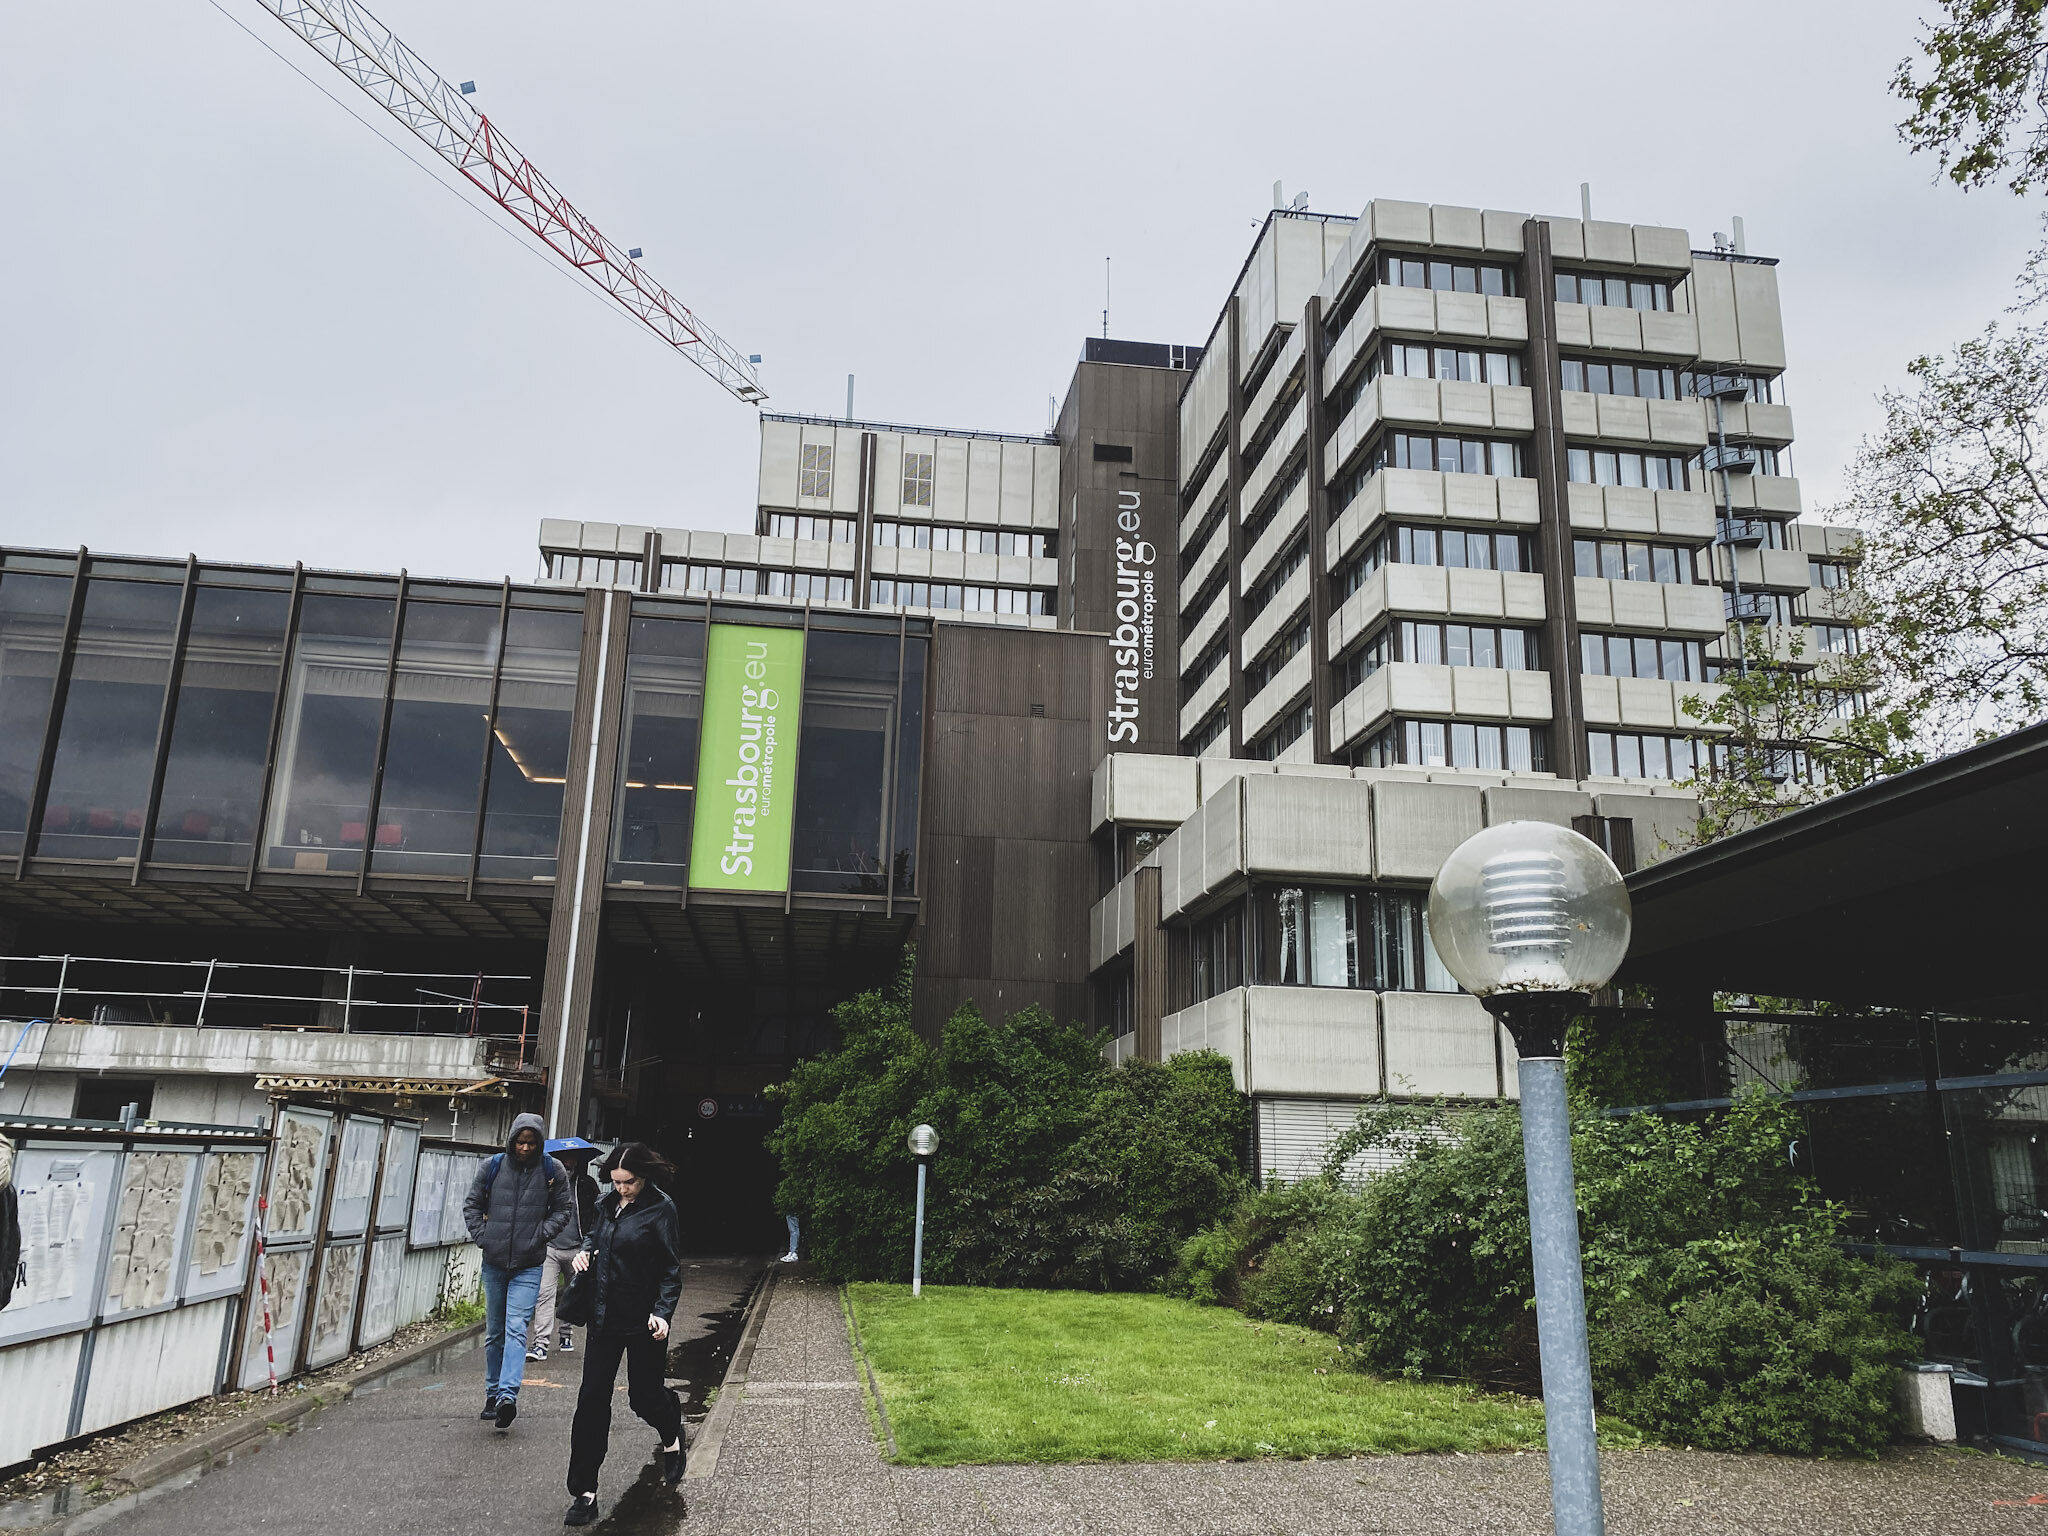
[
  {"x": 1148, "y": 962},
  {"x": 1322, "y": 681},
  {"x": 864, "y": 522},
  {"x": 581, "y": 854},
  {"x": 1234, "y": 528},
  {"x": 1553, "y": 499}
]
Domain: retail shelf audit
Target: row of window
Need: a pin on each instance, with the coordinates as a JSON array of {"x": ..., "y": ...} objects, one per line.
[
  {"x": 1675, "y": 661},
  {"x": 1648, "y": 381},
  {"x": 602, "y": 570},
  {"x": 1455, "y": 744},
  {"x": 1209, "y": 732},
  {"x": 1420, "y": 360},
  {"x": 1449, "y": 454},
  {"x": 1636, "y": 560},
  {"x": 959, "y": 595},
  {"x": 1269, "y": 586},
  {"x": 973, "y": 541},
  {"x": 1204, "y": 667},
  {"x": 1306, "y": 936},
  {"x": 804, "y": 525},
  {"x": 1276, "y": 656},
  {"x": 1501, "y": 279},
  {"x": 1642, "y": 755},
  {"x": 1832, "y": 574},
  {"x": 799, "y": 586},
  {"x": 1625, "y": 466},
  {"x": 1434, "y": 643},
  {"x": 1614, "y": 292},
  {"x": 1459, "y": 548},
  {"x": 1284, "y": 732}
]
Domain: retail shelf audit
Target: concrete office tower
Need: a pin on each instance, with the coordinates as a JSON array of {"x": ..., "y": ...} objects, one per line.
[{"x": 1449, "y": 494}]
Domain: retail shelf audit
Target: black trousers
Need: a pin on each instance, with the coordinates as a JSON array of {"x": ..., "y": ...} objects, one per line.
[{"x": 647, "y": 1393}]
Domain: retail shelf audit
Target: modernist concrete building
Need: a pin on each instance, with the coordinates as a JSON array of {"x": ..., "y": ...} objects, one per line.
[{"x": 1163, "y": 719}]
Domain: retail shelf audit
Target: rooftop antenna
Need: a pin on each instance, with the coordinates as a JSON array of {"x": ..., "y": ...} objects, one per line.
[
  {"x": 849, "y": 397},
  {"x": 1279, "y": 196},
  {"x": 1300, "y": 203},
  {"x": 1586, "y": 201},
  {"x": 1105, "y": 298},
  {"x": 1740, "y": 245}
]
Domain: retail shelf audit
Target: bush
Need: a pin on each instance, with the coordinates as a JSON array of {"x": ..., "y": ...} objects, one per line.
[
  {"x": 1053, "y": 1168},
  {"x": 1723, "y": 1311}
]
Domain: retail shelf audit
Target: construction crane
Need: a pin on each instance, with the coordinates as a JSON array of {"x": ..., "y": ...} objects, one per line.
[{"x": 401, "y": 82}]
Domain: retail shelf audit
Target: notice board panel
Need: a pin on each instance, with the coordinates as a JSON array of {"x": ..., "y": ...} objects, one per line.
[{"x": 66, "y": 1200}]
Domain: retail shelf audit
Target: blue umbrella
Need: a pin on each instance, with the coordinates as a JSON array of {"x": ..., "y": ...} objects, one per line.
[{"x": 563, "y": 1144}]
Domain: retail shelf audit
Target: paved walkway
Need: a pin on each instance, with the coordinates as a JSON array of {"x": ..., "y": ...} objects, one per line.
[
  {"x": 798, "y": 1456},
  {"x": 406, "y": 1453}
]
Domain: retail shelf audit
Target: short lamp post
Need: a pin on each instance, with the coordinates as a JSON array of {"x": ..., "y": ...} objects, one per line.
[
  {"x": 1531, "y": 918},
  {"x": 924, "y": 1141}
]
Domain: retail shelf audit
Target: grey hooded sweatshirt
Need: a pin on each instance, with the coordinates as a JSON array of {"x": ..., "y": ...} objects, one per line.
[{"x": 515, "y": 1214}]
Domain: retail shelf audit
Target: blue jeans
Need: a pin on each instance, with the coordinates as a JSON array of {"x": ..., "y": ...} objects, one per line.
[
  {"x": 509, "y": 1295},
  {"x": 792, "y": 1232}
]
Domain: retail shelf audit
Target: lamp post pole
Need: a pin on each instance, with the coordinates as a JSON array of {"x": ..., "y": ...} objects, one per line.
[
  {"x": 1537, "y": 1020},
  {"x": 1532, "y": 918},
  {"x": 924, "y": 1143}
]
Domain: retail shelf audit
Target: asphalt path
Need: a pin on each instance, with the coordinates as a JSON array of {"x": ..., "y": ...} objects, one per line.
[{"x": 408, "y": 1453}]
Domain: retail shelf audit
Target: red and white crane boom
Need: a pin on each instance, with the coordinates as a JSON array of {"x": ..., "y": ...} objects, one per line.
[{"x": 400, "y": 81}]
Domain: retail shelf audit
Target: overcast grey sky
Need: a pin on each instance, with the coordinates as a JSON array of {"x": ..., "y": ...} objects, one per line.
[{"x": 235, "y": 323}]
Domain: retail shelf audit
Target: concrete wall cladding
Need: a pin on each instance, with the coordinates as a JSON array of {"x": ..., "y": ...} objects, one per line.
[
  {"x": 1119, "y": 431},
  {"x": 1007, "y": 863}
]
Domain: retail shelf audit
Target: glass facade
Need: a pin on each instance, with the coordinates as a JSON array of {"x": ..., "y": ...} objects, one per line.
[{"x": 324, "y": 725}]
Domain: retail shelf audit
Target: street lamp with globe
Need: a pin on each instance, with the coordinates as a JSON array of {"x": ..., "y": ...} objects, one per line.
[
  {"x": 924, "y": 1142},
  {"x": 1532, "y": 918}
]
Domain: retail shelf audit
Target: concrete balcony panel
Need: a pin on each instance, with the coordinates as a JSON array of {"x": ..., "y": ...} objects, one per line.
[
  {"x": 1308, "y": 827},
  {"x": 1629, "y": 508},
  {"x": 1287, "y": 522},
  {"x": 1203, "y": 701},
  {"x": 1636, "y": 605},
  {"x": 1574, "y": 325},
  {"x": 1414, "y": 492},
  {"x": 1518, "y": 500},
  {"x": 1480, "y": 693},
  {"x": 1786, "y": 569},
  {"x": 1360, "y": 710},
  {"x": 1147, "y": 788},
  {"x": 1475, "y": 594},
  {"x": 1682, "y": 423},
  {"x": 1216, "y": 1024},
  {"x": 1662, "y": 821},
  {"x": 1504, "y": 803},
  {"x": 1360, "y": 613},
  {"x": 1647, "y": 703},
  {"x": 1416, "y": 589},
  {"x": 1283, "y": 610},
  {"x": 1418, "y": 688},
  {"x": 1522, "y": 596},
  {"x": 1349, "y": 527},
  {"x": 1686, "y": 514},
  {"x": 1671, "y": 334},
  {"x": 1623, "y": 418},
  {"x": 1601, "y": 700},
  {"x": 1503, "y": 230},
  {"x": 1438, "y": 1045},
  {"x": 1694, "y": 610},
  {"x": 1415, "y": 826},
  {"x": 1529, "y": 696},
  {"x": 1615, "y": 329},
  {"x": 1312, "y": 1040},
  {"x": 171, "y": 1050},
  {"x": 1586, "y": 508},
  {"x": 1595, "y": 601},
  {"x": 1462, "y": 315},
  {"x": 1207, "y": 625}
]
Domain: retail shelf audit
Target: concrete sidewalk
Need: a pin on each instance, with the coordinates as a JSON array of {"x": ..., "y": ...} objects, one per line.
[
  {"x": 407, "y": 1453},
  {"x": 798, "y": 1455}
]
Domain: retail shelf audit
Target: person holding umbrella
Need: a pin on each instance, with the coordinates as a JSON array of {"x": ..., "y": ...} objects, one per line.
[
  {"x": 630, "y": 1275},
  {"x": 574, "y": 1154}
]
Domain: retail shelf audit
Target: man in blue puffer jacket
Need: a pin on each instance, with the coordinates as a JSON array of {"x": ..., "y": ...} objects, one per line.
[{"x": 519, "y": 1206}]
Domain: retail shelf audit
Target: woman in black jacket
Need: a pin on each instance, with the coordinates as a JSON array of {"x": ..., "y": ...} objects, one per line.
[{"x": 633, "y": 1253}]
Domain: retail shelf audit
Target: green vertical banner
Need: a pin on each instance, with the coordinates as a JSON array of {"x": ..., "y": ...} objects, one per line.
[{"x": 746, "y": 759}]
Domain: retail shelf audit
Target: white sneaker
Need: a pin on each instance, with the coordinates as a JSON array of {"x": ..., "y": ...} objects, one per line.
[{"x": 789, "y": 1258}]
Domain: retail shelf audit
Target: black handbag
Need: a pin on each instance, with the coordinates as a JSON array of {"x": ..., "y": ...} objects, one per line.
[{"x": 578, "y": 1304}]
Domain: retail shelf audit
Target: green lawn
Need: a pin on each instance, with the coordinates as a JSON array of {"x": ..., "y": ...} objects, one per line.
[{"x": 975, "y": 1375}]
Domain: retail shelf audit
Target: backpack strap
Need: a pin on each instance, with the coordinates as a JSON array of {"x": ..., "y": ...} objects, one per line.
[{"x": 491, "y": 1168}]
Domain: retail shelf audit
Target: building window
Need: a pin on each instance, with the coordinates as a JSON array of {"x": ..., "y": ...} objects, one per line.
[
  {"x": 1614, "y": 292},
  {"x": 961, "y": 540},
  {"x": 697, "y": 576},
  {"x": 1466, "y": 645},
  {"x": 1275, "y": 657},
  {"x": 1640, "y": 755},
  {"x": 1635, "y": 560},
  {"x": 807, "y": 586},
  {"x": 1488, "y": 277},
  {"x": 1755, "y": 607},
  {"x": 1360, "y": 664},
  {"x": 1836, "y": 639},
  {"x": 1208, "y": 733},
  {"x": 803, "y": 525},
  {"x": 1614, "y": 836},
  {"x": 959, "y": 595},
  {"x": 1832, "y": 574},
  {"x": 1459, "y": 548},
  {"x": 595, "y": 570},
  {"x": 1204, "y": 668},
  {"x": 1450, "y": 455},
  {"x": 1455, "y": 744},
  {"x": 1675, "y": 661},
  {"x": 917, "y": 479},
  {"x": 1625, "y": 466},
  {"x": 1269, "y": 586},
  {"x": 1216, "y": 954},
  {"x": 1372, "y": 940},
  {"x": 1419, "y": 360},
  {"x": 1291, "y": 728},
  {"x": 1604, "y": 378},
  {"x": 814, "y": 473}
]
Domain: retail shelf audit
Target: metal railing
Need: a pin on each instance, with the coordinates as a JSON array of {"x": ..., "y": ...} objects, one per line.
[{"x": 344, "y": 998}]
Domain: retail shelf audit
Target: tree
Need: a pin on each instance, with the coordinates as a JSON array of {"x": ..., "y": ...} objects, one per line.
[
  {"x": 1789, "y": 728},
  {"x": 1952, "y": 498},
  {"x": 1980, "y": 92}
]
